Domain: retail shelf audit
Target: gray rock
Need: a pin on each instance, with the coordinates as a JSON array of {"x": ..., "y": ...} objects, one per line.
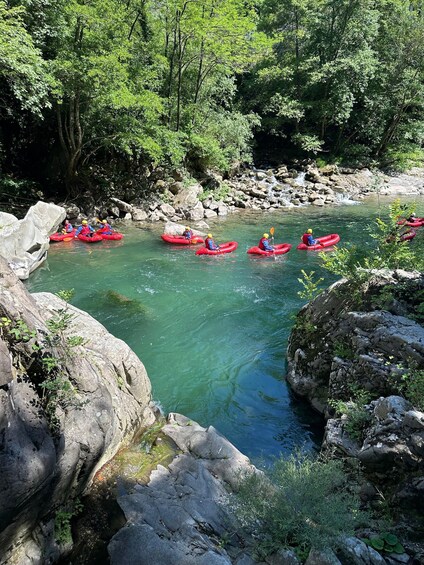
[
  {"x": 167, "y": 209},
  {"x": 7, "y": 219},
  {"x": 197, "y": 212},
  {"x": 188, "y": 197},
  {"x": 123, "y": 206},
  {"x": 109, "y": 403},
  {"x": 283, "y": 557},
  {"x": 25, "y": 242},
  {"x": 139, "y": 215},
  {"x": 179, "y": 516},
  {"x": 210, "y": 214},
  {"x": 327, "y": 557},
  {"x": 6, "y": 368},
  {"x": 355, "y": 552},
  {"x": 394, "y": 406}
]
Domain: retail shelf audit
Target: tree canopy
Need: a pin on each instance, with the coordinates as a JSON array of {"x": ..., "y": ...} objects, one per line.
[{"x": 111, "y": 87}]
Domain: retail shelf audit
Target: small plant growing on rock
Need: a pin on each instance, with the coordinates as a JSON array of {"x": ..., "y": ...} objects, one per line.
[
  {"x": 412, "y": 386},
  {"x": 385, "y": 543},
  {"x": 342, "y": 350},
  {"x": 358, "y": 417},
  {"x": 62, "y": 521},
  {"x": 16, "y": 331}
]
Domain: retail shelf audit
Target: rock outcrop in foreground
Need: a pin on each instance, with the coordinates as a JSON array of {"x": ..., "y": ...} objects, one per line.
[
  {"x": 70, "y": 395},
  {"x": 180, "y": 516}
]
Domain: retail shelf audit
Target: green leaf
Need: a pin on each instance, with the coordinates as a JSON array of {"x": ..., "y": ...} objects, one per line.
[
  {"x": 377, "y": 543},
  {"x": 390, "y": 539}
]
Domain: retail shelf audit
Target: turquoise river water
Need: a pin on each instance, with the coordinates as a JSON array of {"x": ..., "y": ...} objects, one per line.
[{"x": 211, "y": 331}]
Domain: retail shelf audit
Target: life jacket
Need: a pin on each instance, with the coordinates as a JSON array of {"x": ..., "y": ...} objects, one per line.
[
  {"x": 106, "y": 229},
  {"x": 261, "y": 244},
  {"x": 85, "y": 230},
  {"x": 68, "y": 228},
  {"x": 210, "y": 244},
  {"x": 188, "y": 234},
  {"x": 305, "y": 238}
]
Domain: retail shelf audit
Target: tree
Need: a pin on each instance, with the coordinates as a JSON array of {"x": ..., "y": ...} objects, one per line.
[
  {"x": 105, "y": 95},
  {"x": 23, "y": 73}
]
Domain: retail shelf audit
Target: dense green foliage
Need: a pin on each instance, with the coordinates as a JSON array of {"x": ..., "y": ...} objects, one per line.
[
  {"x": 390, "y": 252},
  {"x": 102, "y": 91},
  {"x": 302, "y": 503}
]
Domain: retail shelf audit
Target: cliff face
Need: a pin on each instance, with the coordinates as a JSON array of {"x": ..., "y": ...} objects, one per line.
[{"x": 70, "y": 395}]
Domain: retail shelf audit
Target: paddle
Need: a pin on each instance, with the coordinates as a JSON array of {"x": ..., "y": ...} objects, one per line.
[{"x": 272, "y": 231}]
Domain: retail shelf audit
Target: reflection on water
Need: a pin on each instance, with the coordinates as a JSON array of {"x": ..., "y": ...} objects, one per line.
[{"x": 212, "y": 331}]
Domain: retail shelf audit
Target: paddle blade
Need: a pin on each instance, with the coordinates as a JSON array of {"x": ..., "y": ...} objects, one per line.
[{"x": 272, "y": 230}]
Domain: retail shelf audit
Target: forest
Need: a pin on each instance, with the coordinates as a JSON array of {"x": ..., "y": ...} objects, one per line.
[{"x": 100, "y": 94}]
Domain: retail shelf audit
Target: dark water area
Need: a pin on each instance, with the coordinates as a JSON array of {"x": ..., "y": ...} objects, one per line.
[{"x": 212, "y": 331}]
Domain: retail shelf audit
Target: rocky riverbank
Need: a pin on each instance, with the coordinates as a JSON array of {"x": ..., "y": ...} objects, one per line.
[
  {"x": 357, "y": 355},
  {"x": 178, "y": 199}
]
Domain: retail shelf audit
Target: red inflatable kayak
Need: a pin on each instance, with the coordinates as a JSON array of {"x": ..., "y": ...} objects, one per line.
[
  {"x": 223, "y": 248},
  {"x": 180, "y": 240},
  {"x": 112, "y": 236},
  {"x": 417, "y": 224},
  {"x": 408, "y": 236},
  {"x": 279, "y": 249},
  {"x": 93, "y": 239},
  {"x": 324, "y": 241},
  {"x": 63, "y": 236}
]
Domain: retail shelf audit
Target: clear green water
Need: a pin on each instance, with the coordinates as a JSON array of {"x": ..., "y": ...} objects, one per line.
[{"x": 211, "y": 331}]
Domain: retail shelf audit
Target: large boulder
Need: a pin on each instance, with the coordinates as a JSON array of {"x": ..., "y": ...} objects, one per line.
[
  {"x": 180, "y": 515},
  {"x": 54, "y": 439},
  {"x": 188, "y": 197},
  {"x": 172, "y": 228},
  {"x": 25, "y": 242}
]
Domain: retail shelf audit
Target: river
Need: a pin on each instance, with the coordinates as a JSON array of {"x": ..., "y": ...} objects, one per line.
[{"x": 212, "y": 331}]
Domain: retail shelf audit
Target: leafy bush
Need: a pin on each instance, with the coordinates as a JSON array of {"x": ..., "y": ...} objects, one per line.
[
  {"x": 302, "y": 503},
  {"x": 389, "y": 253}
]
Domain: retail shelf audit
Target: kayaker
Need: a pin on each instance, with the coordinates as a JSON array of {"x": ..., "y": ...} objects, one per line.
[
  {"x": 264, "y": 243},
  {"x": 307, "y": 238},
  {"x": 210, "y": 244},
  {"x": 412, "y": 217},
  {"x": 188, "y": 232},
  {"x": 106, "y": 228},
  {"x": 67, "y": 227},
  {"x": 85, "y": 229}
]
